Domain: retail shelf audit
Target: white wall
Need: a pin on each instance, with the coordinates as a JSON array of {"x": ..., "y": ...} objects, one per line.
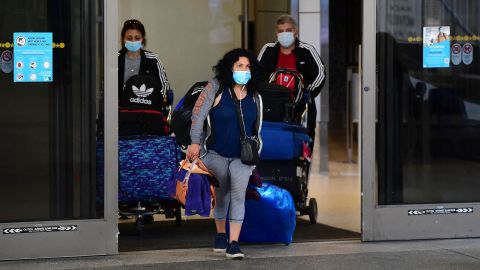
[
  {"x": 266, "y": 14},
  {"x": 309, "y": 30},
  {"x": 189, "y": 35}
]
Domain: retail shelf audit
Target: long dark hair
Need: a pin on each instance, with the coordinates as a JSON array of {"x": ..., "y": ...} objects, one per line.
[
  {"x": 136, "y": 25},
  {"x": 223, "y": 69}
]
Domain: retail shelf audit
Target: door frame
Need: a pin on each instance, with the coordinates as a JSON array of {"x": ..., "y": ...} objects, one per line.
[
  {"x": 92, "y": 236},
  {"x": 393, "y": 222}
]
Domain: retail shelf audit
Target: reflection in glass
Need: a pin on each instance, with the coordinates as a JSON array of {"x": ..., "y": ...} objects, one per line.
[
  {"x": 47, "y": 130},
  {"x": 428, "y": 129}
]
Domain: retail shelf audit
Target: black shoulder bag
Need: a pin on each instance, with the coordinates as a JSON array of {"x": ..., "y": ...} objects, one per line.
[{"x": 248, "y": 146}]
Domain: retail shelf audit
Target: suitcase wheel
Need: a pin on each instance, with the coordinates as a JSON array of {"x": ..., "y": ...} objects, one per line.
[
  {"x": 139, "y": 226},
  {"x": 312, "y": 210},
  {"x": 178, "y": 216}
]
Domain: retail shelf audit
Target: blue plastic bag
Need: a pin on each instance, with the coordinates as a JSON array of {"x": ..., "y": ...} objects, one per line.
[{"x": 271, "y": 219}]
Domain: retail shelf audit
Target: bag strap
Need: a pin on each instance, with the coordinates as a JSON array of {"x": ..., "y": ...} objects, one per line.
[
  {"x": 243, "y": 133},
  {"x": 292, "y": 72},
  {"x": 202, "y": 166},
  {"x": 301, "y": 86},
  {"x": 182, "y": 164},
  {"x": 189, "y": 171}
]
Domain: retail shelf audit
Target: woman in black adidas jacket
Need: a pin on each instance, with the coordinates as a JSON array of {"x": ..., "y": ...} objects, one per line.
[
  {"x": 134, "y": 60},
  {"x": 144, "y": 99}
]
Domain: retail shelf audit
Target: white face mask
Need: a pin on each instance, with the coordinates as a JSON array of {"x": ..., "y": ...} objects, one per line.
[{"x": 286, "y": 39}]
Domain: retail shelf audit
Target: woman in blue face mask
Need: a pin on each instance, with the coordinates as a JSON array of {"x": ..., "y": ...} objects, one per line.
[
  {"x": 142, "y": 110},
  {"x": 133, "y": 60},
  {"x": 218, "y": 144}
]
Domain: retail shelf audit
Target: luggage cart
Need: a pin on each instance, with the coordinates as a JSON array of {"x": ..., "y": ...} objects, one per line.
[
  {"x": 284, "y": 133},
  {"x": 282, "y": 163}
]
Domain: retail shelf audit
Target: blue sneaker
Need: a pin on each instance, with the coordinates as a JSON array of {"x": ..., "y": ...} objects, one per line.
[
  {"x": 220, "y": 242},
  {"x": 234, "y": 252}
]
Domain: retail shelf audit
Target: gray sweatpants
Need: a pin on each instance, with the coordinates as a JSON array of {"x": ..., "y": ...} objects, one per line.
[{"x": 233, "y": 178}]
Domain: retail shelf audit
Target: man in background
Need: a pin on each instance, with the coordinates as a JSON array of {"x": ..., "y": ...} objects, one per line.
[{"x": 290, "y": 53}]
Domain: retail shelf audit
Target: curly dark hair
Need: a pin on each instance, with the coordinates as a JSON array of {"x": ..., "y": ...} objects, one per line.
[
  {"x": 223, "y": 69},
  {"x": 136, "y": 25}
]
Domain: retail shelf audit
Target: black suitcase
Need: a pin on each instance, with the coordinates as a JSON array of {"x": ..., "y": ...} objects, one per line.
[
  {"x": 291, "y": 175},
  {"x": 138, "y": 122},
  {"x": 277, "y": 102}
]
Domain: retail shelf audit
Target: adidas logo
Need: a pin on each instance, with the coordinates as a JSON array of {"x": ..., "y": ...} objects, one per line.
[
  {"x": 140, "y": 101},
  {"x": 142, "y": 91}
]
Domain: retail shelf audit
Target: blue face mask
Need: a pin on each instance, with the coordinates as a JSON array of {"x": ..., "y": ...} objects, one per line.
[
  {"x": 133, "y": 46},
  {"x": 241, "y": 77},
  {"x": 286, "y": 39}
]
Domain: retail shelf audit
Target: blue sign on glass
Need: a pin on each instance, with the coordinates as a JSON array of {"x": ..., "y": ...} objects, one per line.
[
  {"x": 436, "y": 47},
  {"x": 32, "y": 57}
]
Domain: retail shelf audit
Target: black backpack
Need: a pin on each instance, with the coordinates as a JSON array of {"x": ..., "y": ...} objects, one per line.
[
  {"x": 283, "y": 96},
  {"x": 142, "y": 92},
  {"x": 142, "y": 107},
  {"x": 181, "y": 122},
  {"x": 277, "y": 102},
  {"x": 290, "y": 79}
]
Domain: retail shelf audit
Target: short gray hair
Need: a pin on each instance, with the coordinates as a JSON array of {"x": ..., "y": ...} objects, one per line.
[{"x": 285, "y": 18}]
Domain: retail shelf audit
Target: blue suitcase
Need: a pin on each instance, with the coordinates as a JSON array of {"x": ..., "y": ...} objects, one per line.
[
  {"x": 146, "y": 164},
  {"x": 282, "y": 141}
]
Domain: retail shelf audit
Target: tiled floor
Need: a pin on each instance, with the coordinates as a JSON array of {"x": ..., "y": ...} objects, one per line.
[
  {"x": 338, "y": 192},
  {"x": 338, "y": 196}
]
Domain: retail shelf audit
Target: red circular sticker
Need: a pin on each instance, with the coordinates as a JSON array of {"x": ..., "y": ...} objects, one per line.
[
  {"x": 7, "y": 56},
  {"x": 456, "y": 48},
  {"x": 467, "y": 48}
]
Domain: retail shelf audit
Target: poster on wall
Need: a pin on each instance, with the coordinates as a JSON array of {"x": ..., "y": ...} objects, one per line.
[
  {"x": 436, "y": 46},
  {"x": 32, "y": 57}
]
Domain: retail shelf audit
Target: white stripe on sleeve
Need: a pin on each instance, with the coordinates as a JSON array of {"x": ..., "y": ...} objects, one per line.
[
  {"x": 321, "y": 69},
  {"x": 161, "y": 70},
  {"x": 262, "y": 51}
]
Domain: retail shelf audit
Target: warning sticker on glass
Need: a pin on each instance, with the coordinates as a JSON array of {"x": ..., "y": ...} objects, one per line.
[
  {"x": 32, "y": 57},
  {"x": 467, "y": 53},
  {"x": 6, "y": 59},
  {"x": 436, "y": 47},
  {"x": 456, "y": 54}
]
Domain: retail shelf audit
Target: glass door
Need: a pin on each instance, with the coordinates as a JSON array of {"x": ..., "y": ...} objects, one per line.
[
  {"x": 56, "y": 199},
  {"x": 420, "y": 119}
]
